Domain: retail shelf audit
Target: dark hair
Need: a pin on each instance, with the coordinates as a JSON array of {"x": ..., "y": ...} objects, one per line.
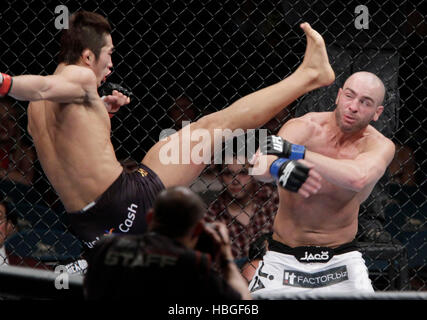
[
  {"x": 176, "y": 211},
  {"x": 86, "y": 31},
  {"x": 238, "y": 146}
]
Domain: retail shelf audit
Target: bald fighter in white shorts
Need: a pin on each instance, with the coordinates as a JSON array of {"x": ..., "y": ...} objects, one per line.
[{"x": 312, "y": 247}]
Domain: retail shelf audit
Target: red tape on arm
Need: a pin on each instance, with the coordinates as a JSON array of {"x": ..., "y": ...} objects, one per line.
[{"x": 6, "y": 84}]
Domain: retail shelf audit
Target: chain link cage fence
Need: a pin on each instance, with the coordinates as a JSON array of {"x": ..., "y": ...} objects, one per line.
[{"x": 184, "y": 59}]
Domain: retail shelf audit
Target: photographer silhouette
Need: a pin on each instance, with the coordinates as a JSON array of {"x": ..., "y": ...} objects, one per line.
[{"x": 180, "y": 258}]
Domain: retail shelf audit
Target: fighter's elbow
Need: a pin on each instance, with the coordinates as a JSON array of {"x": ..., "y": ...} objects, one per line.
[
  {"x": 42, "y": 95},
  {"x": 363, "y": 179},
  {"x": 358, "y": 183}
]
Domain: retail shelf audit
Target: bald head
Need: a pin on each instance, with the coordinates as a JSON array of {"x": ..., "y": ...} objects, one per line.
[
  {"x": 370, "y": 83},
  {"x": 176, "y": 211}
]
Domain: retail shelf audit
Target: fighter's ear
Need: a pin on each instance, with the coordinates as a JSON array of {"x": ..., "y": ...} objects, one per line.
[
  {"x": 88, "y": 57},
  {"x": 378, "y": 112}
]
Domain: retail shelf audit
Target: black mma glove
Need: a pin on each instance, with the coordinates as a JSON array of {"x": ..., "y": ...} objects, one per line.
[
  {"x": 107, "y": 88},
  {"x": 277, "y": 146},
  {"x": 290, "y": 174}
]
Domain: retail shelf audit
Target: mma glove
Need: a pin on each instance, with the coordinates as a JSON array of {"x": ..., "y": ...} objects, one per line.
[
  {"x": 290, "y": 174},
  {"x": 277, "y": 146},
  {"x": 107, "y": 88}
]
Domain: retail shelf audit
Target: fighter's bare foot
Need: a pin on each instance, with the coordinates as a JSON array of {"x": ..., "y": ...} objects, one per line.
[{"x": 316, "y": 63}]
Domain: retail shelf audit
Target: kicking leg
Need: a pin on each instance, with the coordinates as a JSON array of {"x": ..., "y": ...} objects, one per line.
[{"x": 249, "y": 112}]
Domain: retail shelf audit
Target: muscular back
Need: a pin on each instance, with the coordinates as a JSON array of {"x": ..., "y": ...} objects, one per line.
[
  {"x": 74, "y": 148},
  {"x": 328, "y": 218}
]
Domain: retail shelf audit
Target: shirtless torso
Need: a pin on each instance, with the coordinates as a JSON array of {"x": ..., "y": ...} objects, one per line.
[
  {"x": 73, "y": 144},
  {"x": 348, "y": 156},
  {"x": 328, "y": 218}
]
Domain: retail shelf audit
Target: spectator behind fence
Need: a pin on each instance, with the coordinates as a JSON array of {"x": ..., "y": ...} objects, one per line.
[
  {"x": 403, "y": 167},
  {"x": 16, "y": 158},
  {"x": 380, "y": 208},
  {"x": 163, "y": 264},
  {"x": 207, "y": 185},
  {"x": 407, "y": 206},
  {"x": 246, "y": 206},
  {"x": 182, "y": 110},
  {"x": 8, "y": 223}
]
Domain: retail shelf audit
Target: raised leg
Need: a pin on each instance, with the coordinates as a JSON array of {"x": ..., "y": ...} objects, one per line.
[{"x": 249, "y": 112}]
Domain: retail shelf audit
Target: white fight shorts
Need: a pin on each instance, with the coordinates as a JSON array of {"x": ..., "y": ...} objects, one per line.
[{"x": 310, "y": 269}]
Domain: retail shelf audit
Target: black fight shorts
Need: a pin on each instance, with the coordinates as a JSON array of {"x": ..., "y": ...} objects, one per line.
[{"x": 121, "y": 209}]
